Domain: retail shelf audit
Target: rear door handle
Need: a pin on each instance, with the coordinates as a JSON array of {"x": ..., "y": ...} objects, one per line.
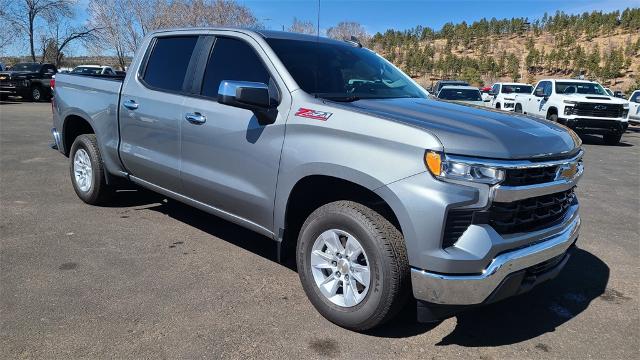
[
  {"x": 130, "y": 104},
  {"x": 196, "y": 118}
]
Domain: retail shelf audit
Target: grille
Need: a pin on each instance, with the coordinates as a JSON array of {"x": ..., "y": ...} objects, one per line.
[
  {"x": 530, "y": 214},
  {"x": 597, "y": 110},
  {"x": 8, "y": 83},
  {"x": 457, "y": 223},
  {"x": 529, "y": 176}
]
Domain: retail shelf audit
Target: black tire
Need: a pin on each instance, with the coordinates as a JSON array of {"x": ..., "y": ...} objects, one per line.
[
  {"x": 553, "y": 117},
  {"x": 612, "y": 138},
  {"x": 98, "y": 192},
  {"x": 36, "y": 94},
  {"x": 387, "y": 257},
  {"x": 518, "y": 108},
  {"x": 498, "y": 106}
]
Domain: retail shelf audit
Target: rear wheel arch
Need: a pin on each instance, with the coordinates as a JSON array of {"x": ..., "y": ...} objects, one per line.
[{"x": 73, "y": 127}]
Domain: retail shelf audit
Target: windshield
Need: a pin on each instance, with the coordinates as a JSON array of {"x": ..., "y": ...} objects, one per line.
[
  {"x": 87, "y": 70},
  {"x": 342, "y": 72},
  {"x": 517, "y": 89},
  {"x": 460, "y": 94},
  {"x": 26, "y": 67},
  {"x": 580, "y": 88}
]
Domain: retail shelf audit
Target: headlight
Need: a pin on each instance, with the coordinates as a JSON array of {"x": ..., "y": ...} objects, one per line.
[
  {"x": 444, "y": 169},
  {"x": 571, "y": 102}
]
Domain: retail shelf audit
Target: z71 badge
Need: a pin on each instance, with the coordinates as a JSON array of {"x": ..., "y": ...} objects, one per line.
[{"x": 313, "y": 114}]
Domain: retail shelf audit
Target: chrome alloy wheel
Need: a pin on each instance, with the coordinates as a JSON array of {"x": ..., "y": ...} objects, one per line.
[
  {"x": 340, "y": 268},
  {"x": 82, "y": 170}
]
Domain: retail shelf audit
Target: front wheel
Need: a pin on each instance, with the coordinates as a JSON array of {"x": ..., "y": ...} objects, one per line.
[
  {"x": 518, "y": 108},
  {"x": 36, "y": 94},
  {"x": 612, "y": 138},
  {"x": 553, "y": 117},
  {"x": 87, "y": 172},
  {"x": 353, "y": 265}
]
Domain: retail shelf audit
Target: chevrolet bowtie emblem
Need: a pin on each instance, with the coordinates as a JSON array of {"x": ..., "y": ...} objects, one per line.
[{"x": 567, "y": 171}]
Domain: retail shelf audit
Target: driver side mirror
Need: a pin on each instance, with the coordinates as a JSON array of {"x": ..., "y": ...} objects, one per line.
[
  {"x": 493, "y": 93},
  {"x": 539, "y": 92},
  {"x": 248, "y": 95}
]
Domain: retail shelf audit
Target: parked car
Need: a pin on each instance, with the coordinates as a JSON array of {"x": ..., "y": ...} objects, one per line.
[
  {"x": 503, "y": 95},
  {"x": 93, "y": 70},
  {"x": 461, "y": 94},
  {"x": 28, "y": 80},
  {"x": 441, "y": 83},
  {"x": 634, "y": 107},
  {"x": 579, "y": 104},
  {"x": 326, "y": 146}
]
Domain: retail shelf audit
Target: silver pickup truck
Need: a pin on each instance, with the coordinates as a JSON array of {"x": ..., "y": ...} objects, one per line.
[{"x": 325, "y": 146}]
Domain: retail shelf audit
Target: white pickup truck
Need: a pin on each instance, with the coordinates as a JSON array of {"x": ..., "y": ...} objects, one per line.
[
  {"x": 503, "y": 95},
  {"x": 582, "y": 105},
  {"x": 634, "y": 107}
]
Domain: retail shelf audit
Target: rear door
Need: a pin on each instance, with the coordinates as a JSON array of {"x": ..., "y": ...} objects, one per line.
[
  {"x": 150, "y": 112},
  {"x": 230, "y": 161}
]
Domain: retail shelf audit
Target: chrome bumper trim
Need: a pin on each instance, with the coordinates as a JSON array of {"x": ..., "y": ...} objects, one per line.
[
  {"x": 474, "y": 289},
  {"x": 56, "y": 138}
]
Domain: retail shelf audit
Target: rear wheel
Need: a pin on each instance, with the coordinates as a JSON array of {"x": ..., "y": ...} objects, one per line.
[
  {"x": 353, "y": 265},
  {"x": 612, "y": 138},
  {"x": 87, "y": 171}
]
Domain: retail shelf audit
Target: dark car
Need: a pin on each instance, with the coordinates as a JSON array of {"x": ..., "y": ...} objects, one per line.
[
  {"x": 441, "y": 83},
  {"x": 28, "y": 80}
]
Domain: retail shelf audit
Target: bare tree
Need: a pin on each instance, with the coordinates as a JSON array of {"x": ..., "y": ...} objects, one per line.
[
  {"x": 122, "y": 24},
  {"x": 302, "y": 27},
  {"x": 25, "y": 14},
  {"x": 346, "y": 29},
  {"x": 61, "y": 34}
]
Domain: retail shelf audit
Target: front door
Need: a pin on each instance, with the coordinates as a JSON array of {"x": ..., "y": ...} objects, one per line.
[{"x": 229, "y": 160}]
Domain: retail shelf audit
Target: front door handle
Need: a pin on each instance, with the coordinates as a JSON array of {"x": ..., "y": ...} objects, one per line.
[
  {"x": 130, "y": 104},
  {"x": 196, "y": 118}
]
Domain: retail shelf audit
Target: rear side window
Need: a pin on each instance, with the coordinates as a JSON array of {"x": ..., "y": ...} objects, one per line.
[
  {"x": 232, "y": 59},
  {"x": 168, "y": 62}
]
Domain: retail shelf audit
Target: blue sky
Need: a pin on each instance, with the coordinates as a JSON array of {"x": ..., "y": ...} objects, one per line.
[{"x": 380, "y": 15}]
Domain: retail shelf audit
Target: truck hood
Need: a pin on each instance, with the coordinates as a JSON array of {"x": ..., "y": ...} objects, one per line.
[
  {"x": 593, "y": 98},
  {"x": 475, "y": 131}
]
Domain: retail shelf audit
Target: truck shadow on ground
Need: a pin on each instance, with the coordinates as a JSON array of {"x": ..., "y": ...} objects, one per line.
[
  {"x": 597, "y": 140},
  {"x": 518, "y": 319}
]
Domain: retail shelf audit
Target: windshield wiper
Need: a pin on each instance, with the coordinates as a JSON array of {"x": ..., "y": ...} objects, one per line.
[{"x": 337, "y": 97}]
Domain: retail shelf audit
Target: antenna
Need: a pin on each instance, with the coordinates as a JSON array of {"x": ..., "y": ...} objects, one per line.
[{"x": 318, "y": 28}]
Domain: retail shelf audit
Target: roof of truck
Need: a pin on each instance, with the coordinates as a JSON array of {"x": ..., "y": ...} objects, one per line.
[{"x": 266, "y": 34}]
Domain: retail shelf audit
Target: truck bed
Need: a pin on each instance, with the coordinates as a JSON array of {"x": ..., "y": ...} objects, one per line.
[{"x": 95, "y": 98}]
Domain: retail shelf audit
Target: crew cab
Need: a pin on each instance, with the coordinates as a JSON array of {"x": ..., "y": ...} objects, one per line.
[
  {"x": 28, "y": 80},
  {"x": 582, "y": 105},
  {"x": 503, "y": 95},
  {"x": 324, "y": 146},
  {"x": 634, "y": 107}
]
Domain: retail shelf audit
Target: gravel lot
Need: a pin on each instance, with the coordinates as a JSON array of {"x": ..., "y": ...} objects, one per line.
[{"x": 150, "y": 278}]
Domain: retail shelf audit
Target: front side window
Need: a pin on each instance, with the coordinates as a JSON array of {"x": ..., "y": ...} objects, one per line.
[
  {"x": 496, "y": 89},
  {"x": 517, "y": 89},
  {"x": 168, "y": 62},
  {"x": 460, "y": 94},
  {"x": 567, "y": 87},
  {"x": 342, "y": 72},
  {"x": 636, "y": 97},
  {"x": 232, "y": 59}
]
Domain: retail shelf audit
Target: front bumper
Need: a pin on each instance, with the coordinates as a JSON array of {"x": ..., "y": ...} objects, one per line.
[
  {"x": 475, "y": 289},
  {"x": 595, "y": 125}
]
